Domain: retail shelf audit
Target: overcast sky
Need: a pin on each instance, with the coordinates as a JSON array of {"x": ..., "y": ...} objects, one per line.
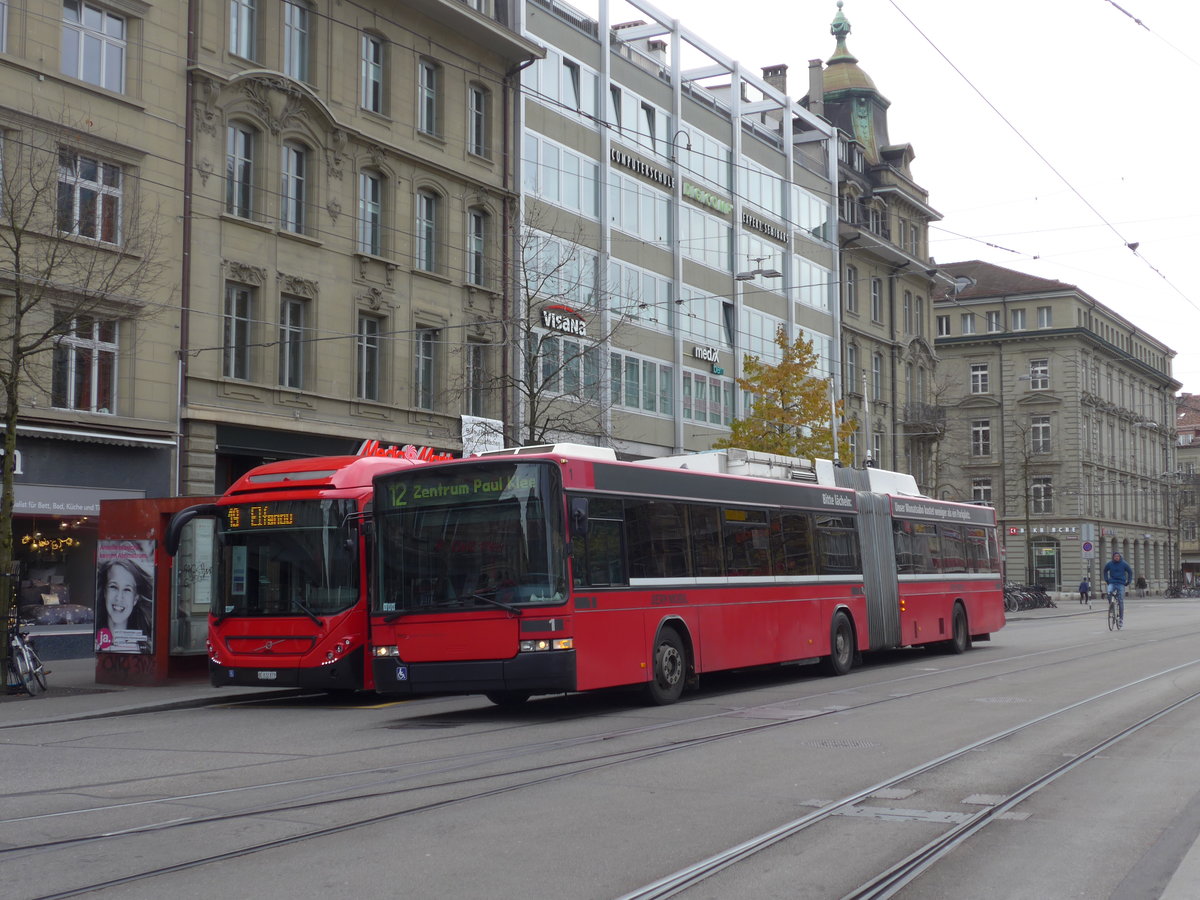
[{"x": 1092, "y": 144}]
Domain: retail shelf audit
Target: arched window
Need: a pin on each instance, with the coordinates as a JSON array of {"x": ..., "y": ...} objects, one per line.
[
  {"x": 293, "y": 190},
  {"x": 370, "y": 213},
  {"x": 241, "y": 149}
]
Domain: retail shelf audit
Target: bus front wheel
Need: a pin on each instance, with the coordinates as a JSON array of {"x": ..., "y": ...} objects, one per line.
[
  {"x": 670, "y": 669},
  {"x": 841, "y": 645}
]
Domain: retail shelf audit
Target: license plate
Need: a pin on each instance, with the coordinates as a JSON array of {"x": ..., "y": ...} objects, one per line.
[
  {"x": 267, "y": 675},
  {"x": 402, "y": 673}
]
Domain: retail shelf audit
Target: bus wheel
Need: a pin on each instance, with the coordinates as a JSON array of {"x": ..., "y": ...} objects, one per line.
[
  {"x": 961, "y": 640},
  {"x": 841, "y": 645},
  {"x": 670, "y": 669},
  {"x": 507, "y": 698}
]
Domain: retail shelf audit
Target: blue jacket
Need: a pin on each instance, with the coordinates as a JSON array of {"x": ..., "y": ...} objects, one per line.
[{"x": 1119, "y": 572}]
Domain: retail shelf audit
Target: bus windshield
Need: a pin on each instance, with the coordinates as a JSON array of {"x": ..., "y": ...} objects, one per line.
[
  {"x": 470, "y": 536},
  {"x": 288, "y": 558}
]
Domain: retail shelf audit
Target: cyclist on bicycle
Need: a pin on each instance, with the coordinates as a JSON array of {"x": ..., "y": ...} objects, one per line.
[{"x": 1117, "y": 575}]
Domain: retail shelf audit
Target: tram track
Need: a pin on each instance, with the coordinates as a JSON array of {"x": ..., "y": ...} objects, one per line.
[
  {"x": 457, "y": 762},
  {"x": 531, "y": 777},
  {"x": 901, "y": 873}
]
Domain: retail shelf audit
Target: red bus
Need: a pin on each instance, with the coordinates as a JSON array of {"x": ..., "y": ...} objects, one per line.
[
  {"x": 291, "y": 570},
  {"x": 557, "y": 569}
]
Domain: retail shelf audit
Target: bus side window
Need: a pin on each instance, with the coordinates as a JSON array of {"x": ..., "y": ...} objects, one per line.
[
  {"x": 747, "y": 548},
  {"x": 839, "y": 545},
  {"x": 792, "y": 543},
  {"x": 657, "y": 535},
  {"x": 605, "y": 564},
  {"x": 954, "y": 556},
  {"x": 704, "y": 525}
]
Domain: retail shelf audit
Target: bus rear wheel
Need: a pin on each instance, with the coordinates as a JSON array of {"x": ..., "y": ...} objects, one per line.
[
  {"x": 960, "y": 641},
  {"x": 841, "y": 645},
  {"x": 670, "y": 669}
]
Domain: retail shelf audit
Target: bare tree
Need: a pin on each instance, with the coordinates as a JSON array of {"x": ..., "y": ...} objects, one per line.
[
  {"x": 76, "y": 252},
  {"x": 555, "y": 339}
]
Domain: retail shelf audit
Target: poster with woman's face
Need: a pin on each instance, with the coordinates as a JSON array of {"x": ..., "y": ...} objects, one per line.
[{"x": 125, "y": 597}]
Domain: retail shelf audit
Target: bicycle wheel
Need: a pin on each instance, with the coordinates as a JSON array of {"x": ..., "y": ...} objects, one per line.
[
  {"x": 19, "y": 662},
  {"x": 39, "y": 669},
  {"x": 1112, "y": 614}
]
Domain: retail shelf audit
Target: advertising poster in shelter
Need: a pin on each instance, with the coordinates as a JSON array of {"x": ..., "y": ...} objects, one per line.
[{"x": 125, "y": 596}]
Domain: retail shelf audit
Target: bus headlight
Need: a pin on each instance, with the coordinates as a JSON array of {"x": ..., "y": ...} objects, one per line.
[
  {"x": 546, "y": 644},
  {"x": 385, "y": 650}
]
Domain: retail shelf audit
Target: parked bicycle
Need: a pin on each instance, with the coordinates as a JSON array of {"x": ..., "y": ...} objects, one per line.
[
  {"x": 28, "y": 672},
  {"x": 1026, "y": 596}
]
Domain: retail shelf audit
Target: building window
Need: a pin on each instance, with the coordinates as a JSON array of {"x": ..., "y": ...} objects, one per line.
[
  {"x": 476, "y": 377},
  {"x": 239, "y": 171},
  {"x": 570, "y": 84},
  {"x": 993, "y": 321},
  {"x": 93, "y": 45},
  {"x": 1045, "y": 316},
  {"x": 292, "y": 191},
  {"x": 89, "y": 197},
  {"x": 427, "y": 231},
  {"x": 85, "y": 366},
  {"x": 876, "y": 448},
  {"x": 293, "y": 315},
  {"x": 981, "y": 490},
  {"x": 371, "y": 74},
  {"x": 852, "y": 383},
  {"x": 1039, "y": 374},
  {"x": 1039, "y": 434},
  {"x": 296, "y": 39},
  {"x": 478, "y": 113},
  {"x": 243, "y": 28},
  {"x": 370, "y": 213},
  {"x": 3, "y": 26},
  {"x": 1041, "y": 491},
  {"x": 876, "y": 299},
  {"x": 966, "y": 323},
  {"x": 981, "y": 437},
  {"x": 918, "y": 315},
  {"x": 239, "y": 308},
  {"x": 943, "y": 326},
  {"x": 980, "y": 382},
  {"x": 428, "y": 86},
  {"x": 367, "y": 352},
  {"x": 908, "y": 312},
  {"x": 851, "y": 289},
  {"x": 877, "y": 378},
  {"x": 1017, "y": 319},
  {"x": 424, "y": 357},
  {"x": 477, "y": 221}
]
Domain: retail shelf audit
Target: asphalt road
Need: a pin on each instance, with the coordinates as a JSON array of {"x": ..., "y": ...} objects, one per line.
[{"x": 1034, "y": 758}]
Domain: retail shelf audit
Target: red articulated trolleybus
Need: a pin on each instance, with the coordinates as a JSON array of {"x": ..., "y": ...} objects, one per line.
[
  {"x": 292, "y": 570},
  {"x": 557, "y": 568}
]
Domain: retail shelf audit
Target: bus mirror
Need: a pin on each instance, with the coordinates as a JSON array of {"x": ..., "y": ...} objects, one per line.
[
  {"x": 579, "y": 516},
  {"x": 175, "y": 529}
]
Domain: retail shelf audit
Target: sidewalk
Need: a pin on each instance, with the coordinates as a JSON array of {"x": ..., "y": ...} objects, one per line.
[{"x": 73, "y": 695}]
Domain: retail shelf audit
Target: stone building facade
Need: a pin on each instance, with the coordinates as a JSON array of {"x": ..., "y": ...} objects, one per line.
[
  {"x": 1060, "y": 414},
  {"x": 887, "y": 280}
]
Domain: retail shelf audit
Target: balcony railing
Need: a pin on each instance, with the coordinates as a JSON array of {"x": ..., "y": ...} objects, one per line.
[{"x": 924, "y": 417}]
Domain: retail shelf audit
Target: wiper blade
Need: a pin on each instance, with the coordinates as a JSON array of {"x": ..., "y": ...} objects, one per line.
[
  {"x": 308, "y": 612},
  {"x": 387, "y": 620},
  {"x": 515, "y": 610}
]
